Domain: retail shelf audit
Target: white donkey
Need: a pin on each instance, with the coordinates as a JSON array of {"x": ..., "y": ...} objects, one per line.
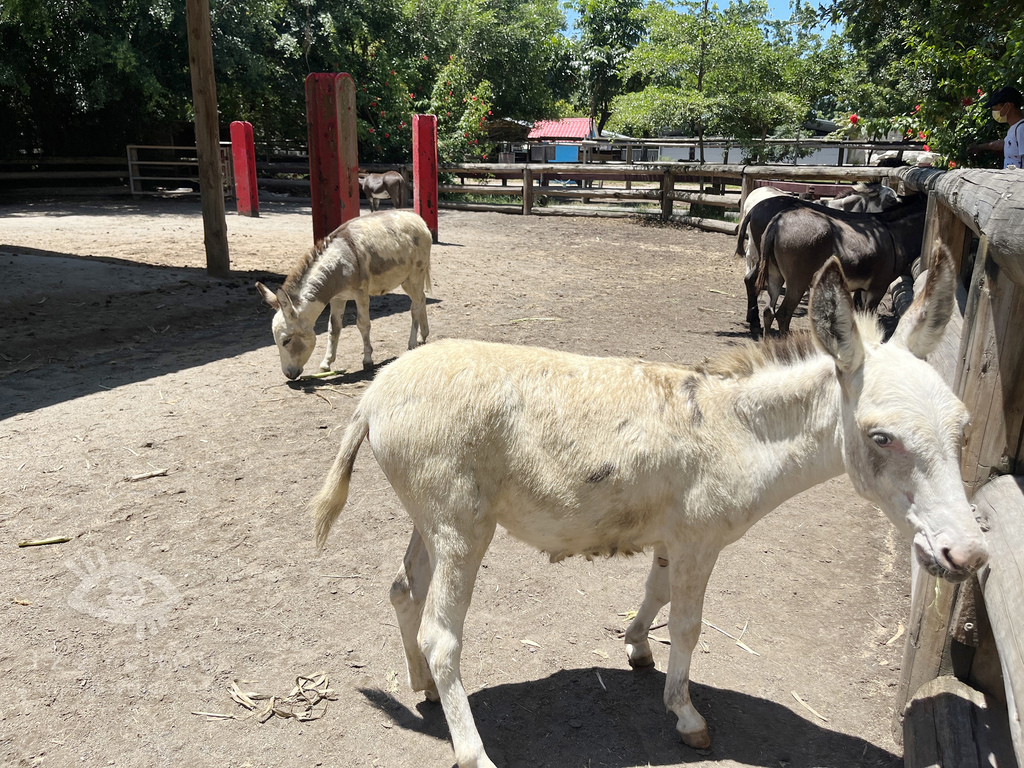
[
  {"x": 592, "y": 456},
  {"x": 364, "y": 257}
]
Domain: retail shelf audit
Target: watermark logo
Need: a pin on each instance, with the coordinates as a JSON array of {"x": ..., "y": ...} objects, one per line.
[{"x": 123, "y": 593}]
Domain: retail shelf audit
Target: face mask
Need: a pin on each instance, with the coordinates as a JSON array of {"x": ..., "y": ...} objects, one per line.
[{"x": 998, "y": 116}]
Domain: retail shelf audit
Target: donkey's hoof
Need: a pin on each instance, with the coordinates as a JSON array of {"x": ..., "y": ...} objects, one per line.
[
  {"x": 431, "y": 694},
  {"x": 696, "y": 739},
  {"x": 638, "y": 658}
]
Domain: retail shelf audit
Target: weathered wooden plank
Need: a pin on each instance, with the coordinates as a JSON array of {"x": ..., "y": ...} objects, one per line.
[
  {"x": 705, "y": 198},
  {"x": 1001, "y": 504},
  {"x": 992, "y": 379},
  {"x": 820, "y": 172},
  {"x": 950, "y": 725},
  {"x": 618, "y": 194},
  {"x": 564, "y": 210},
  {"x": 494, "y": 207},
  {"x": 988, "y": 201},
  {"x": 711, "y": 225},
  {"x": 479, "y": 189}
]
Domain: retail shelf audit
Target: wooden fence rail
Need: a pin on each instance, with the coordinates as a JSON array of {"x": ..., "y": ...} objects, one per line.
[
  {"x": 647, "y": 189},
  {"x": 976, "y": 630}
]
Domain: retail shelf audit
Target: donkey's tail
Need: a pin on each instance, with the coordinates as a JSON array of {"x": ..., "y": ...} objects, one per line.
[
  {"x": 767, "y": 256},
  {"x": 742, "y": 235},
  {"x": 328, "y": 503},
  {"x": 427, "y": 287}
]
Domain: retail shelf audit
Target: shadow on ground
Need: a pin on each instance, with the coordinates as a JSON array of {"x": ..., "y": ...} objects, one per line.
[
  {"x": 75, "y": 325},
  {"x": 621, "y": 719}
]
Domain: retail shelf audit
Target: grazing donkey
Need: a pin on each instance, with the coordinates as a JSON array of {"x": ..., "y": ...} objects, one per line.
[
  {"x": 377, "y": 186},
  {"x": 593, "y": 456},
  {"x": 364, "y": 257}
]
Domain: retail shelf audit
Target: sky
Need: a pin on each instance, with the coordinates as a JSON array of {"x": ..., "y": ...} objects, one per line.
[{"x": 779, "y": 10}]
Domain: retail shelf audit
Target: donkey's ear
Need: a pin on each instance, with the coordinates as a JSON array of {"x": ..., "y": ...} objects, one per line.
[
  {"x": 921, "y": 328},
  {"x": 268, "y": 296},
  {"x": 832, "y": 317},
  {"x": 285, "y": 303}
]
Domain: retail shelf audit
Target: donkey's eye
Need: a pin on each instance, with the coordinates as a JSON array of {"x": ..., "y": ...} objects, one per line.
[
  {"x": 286, "y": 342},
  {"x": 882, "y": 439}
]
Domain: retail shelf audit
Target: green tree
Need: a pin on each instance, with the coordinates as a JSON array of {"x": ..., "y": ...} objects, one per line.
[
  {"x": 924, "y": 67},
  {"x": 609, "y": 31},
  {"x": 731, "y": 71}
]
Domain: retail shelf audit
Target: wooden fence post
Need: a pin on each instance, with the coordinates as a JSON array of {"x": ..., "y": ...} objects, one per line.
[
  {"x": 527, "y": 191},
  {"x": 424, "y": 169},
  {"x": 204, "y": 101},
  {"x": 668, "y": 185},
  {"x": 747, "y": 185},
  {"x": 333, "y": 151},
  {"x": 243, "y": 155}
]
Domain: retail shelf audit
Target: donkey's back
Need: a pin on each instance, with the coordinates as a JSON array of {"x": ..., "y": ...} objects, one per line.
[{"x": 572, "y": 454}]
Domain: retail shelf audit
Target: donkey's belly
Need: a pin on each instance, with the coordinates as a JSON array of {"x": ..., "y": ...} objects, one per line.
[{"x": 591, "y": 531}]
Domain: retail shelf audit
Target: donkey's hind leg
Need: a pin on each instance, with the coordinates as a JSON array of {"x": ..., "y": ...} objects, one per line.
[
  {"x": 408, "y": 594},
  {"x": 414, "y": 287},
  {"x": 363, "y": 324},
  {"x": 333, "y": 333},
  {"x": 657, "y": 595},
  {"x": 457, "y": 553},
  {"x": 690, "y": 566}
]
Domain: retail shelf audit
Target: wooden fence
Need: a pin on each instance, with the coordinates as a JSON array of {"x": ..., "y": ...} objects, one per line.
[
  {"x": 649, "y": 189},
  {"x": 962, "y": 684},
  {"x": 163, "y": 170},
  {"x": 69, "y": 176}
]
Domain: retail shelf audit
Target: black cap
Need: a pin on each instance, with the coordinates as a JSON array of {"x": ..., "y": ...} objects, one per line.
[{"x": 1003, "y": 95}]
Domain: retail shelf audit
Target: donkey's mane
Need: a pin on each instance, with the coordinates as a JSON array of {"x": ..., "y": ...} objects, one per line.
[
  {"x": 748, "y": 358},
  {"x": 297, "y": 277}
]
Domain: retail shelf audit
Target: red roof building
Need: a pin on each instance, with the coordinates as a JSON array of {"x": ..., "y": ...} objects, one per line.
[{"x": 569, "y": 129}]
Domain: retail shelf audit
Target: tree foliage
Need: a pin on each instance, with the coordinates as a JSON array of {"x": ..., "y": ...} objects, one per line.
[
  {"x": 89, "y": 76},
  {"x": 924, "y": 68},
  {"x": 732, "y": 72}
]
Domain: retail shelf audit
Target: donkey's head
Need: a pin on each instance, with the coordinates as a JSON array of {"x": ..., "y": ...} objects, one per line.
[
  {"x": 295, "y": 338},
  {"x": 902, "y": 425}
]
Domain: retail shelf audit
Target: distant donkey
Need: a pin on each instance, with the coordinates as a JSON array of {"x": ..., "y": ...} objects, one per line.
[
  {"x": 369, "y": 255},
  {"x": 377, "y": 186}
]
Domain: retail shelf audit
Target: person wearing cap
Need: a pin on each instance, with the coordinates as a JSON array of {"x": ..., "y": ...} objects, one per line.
[{"x": 1005, "y": 104}]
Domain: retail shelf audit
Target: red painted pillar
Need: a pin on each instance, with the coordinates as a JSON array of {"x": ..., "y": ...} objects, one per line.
[
  {"x": 243, "y": 158},
  {"x": 333, "y": 150},
  {"x": 424, "y": 169}
]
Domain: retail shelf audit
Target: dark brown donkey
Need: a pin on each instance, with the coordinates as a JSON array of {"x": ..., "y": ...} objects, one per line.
[
  {"x": 377, "y": 186},
  {"x": 873, "y": 248}
]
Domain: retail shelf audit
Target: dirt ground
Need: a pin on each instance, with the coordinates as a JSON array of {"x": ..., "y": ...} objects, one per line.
[{"x": 121, "y": 358}]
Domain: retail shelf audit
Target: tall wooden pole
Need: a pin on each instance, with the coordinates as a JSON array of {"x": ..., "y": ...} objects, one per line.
[
  {"x": 204, "y": 101},
  {"x": 424, "y": 169}
]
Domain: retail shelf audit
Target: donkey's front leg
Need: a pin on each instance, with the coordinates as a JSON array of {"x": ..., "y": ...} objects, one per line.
[
  {"x": 363, "y": 324},
  {"x": 657, "y": 595},
  {"x": 337, "y": 308},
  {"x": 690, "y": 569}
]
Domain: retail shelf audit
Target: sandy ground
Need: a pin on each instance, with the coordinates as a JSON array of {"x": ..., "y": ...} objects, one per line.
[{"x": 119, "y": 358}]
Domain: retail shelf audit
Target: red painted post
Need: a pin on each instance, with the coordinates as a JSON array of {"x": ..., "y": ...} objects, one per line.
[
  {"x": 348, "y": 146},
  {"x": 424, "y": 169},
  {"x": 243, "y": 157},
  {"x": 333, "y": 152}
]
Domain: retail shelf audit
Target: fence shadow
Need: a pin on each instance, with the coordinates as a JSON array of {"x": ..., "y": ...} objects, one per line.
[
  {"x": 75, "y": 325},
  {"x": 570, "y": 718}
]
